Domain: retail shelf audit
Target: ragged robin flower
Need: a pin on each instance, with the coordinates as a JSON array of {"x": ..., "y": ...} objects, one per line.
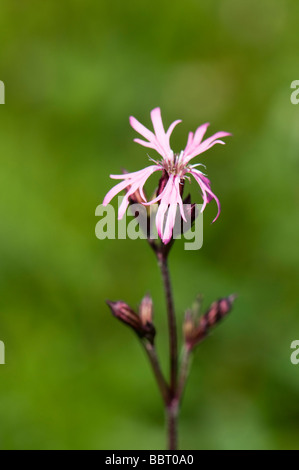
[{"x": 175, "y": 166}]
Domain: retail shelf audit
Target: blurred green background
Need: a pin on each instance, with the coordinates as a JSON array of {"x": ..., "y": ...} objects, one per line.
[{"x": 74, "y": 71}]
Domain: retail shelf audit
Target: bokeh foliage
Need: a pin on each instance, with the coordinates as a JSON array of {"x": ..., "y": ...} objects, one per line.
[{"x": 74, "y": 71}]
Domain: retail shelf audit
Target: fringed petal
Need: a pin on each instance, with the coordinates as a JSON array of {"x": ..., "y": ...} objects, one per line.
[
  {"x": 207, "y": 193},
  {"x": 134, "y": 181},
  {"x": 195, "y": 146}
]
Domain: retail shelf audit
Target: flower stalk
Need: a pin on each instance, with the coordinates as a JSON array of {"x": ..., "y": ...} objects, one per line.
[
  {"x": 163, "y": 264},
  {"x": 154, "y": 361}
]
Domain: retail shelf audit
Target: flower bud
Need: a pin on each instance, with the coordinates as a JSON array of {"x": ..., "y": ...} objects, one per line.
[
  {"x": 188, "y": 326},
  {"x": 196, "y": 331},
  {"x": 146, "y": 310},
  {"x": 124, "y": 313},
  {"x": 191, "y": 210},
  {"x": 162, "y": 183}
]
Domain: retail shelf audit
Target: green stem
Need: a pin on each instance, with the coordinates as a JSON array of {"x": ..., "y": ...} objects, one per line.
[
  {"x": 153, "y": 358},
  {"x": 162, "y": 259},
  {"x": 184, "y": 372},
  {"x": 172, "y": 411}
]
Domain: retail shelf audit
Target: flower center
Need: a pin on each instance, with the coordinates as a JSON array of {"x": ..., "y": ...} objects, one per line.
[{"x": 175, "y": 165}]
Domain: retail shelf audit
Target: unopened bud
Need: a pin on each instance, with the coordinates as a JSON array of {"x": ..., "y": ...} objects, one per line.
[
  {"x": 126, "y": 314},
  {"x": 188, "y": 326},
  {"x": 162, "y": 183},
  {"x": 218, "y": 310},
  {"x": 191, "y": 210},
  {"x": 146, "y": 310},
  {"x": 196, "y": 307},
  {"x": 195, "y": 332}
]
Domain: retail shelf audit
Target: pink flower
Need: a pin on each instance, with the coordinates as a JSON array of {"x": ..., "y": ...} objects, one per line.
[{"x": 175, "y": 166}]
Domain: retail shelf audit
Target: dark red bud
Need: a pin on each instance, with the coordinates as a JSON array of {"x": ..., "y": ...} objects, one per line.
[
  {"x": 122, "y": 311},
  {"x": 195, "y": 332},
  {"x": 162, "y": 182},
  {"x": 181, "y": 186},
  {"x": 191, "y": 211}
]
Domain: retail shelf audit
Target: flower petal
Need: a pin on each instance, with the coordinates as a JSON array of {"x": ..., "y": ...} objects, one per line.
[
  {"x": 149, "y": 169},
  {"x": 114, "y": 191},
  {"x": 200, "y": 132},
  {"x": 159, "y": 129},
  {"x": 159, "y": 140},
  {"x": 170, "y": 200},
  {"x": 145, "y": 144},
  {"x": 160, "y": 219},
  {"x": 207, "y": 193},
  {"x": 141, "y": 129},
  {"x": 169, "y": 224},
  {"x": 165, "y": 197},
  {"x": 195, "y": 146},
  {"x": 172, "y": 126},
  {"x": 135, "y": 181},
  {"x": 179, "y": 199},
  {"x": 194, "y": 141}
]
